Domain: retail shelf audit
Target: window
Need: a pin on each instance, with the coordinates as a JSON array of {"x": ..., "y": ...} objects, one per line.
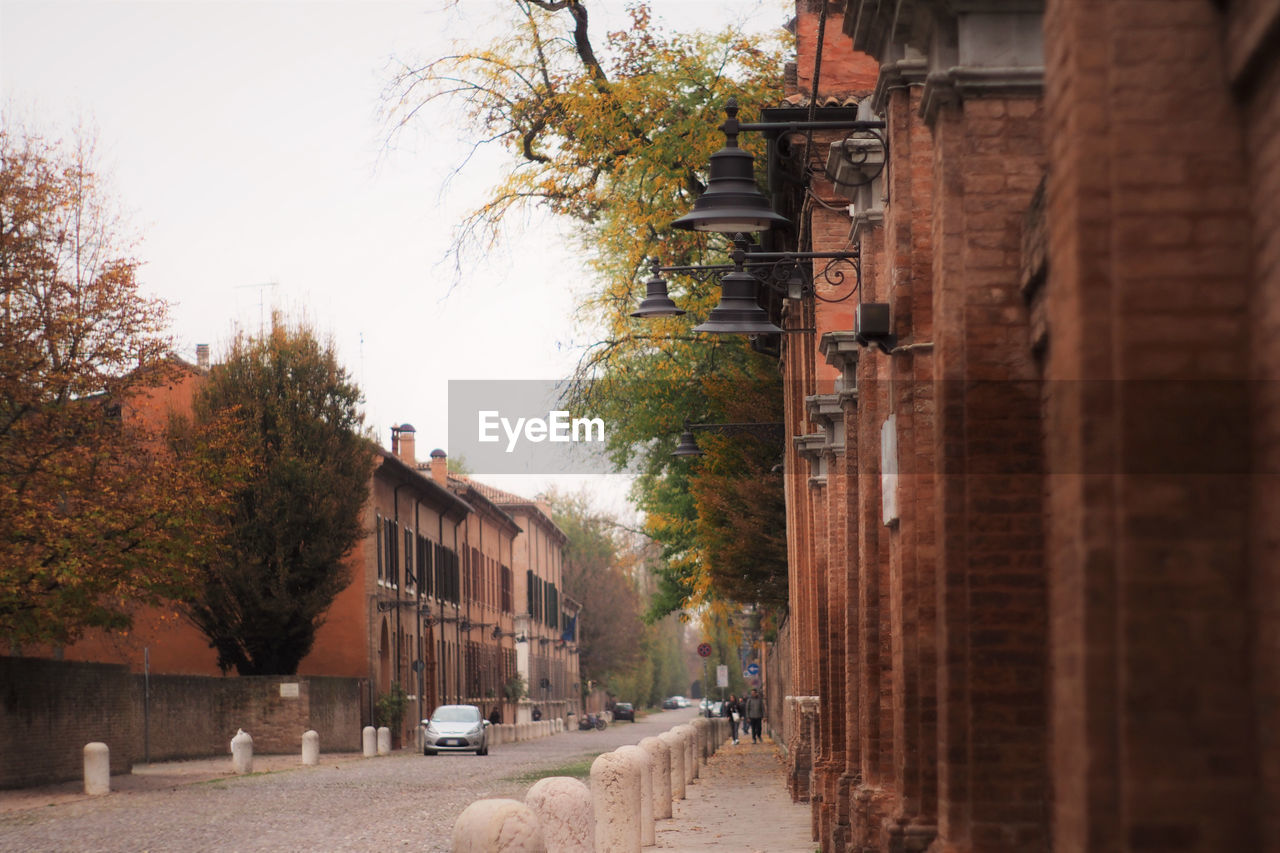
[
  {"x": 506, "y": 589},
  {"x": 392, "y": 544},
  {"x": 377, "y": 546},
  {"x": 409, "y": 577}
]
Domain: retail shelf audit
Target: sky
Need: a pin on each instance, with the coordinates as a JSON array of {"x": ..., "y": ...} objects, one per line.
[{"x": 247, "y": 145}]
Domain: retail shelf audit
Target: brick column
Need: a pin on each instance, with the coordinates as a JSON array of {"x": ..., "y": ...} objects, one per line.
[
  {"x": 1155, "y": 745},
  {"x": 992, "y": 632}
]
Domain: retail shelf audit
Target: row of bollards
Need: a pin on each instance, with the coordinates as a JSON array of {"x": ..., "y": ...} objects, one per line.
[
  {"x": 374, "y": 742},
  {"x": 631, "y": 789}
]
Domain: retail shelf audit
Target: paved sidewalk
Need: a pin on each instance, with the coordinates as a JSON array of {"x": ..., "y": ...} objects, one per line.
[{"x": 739, "y": 802}]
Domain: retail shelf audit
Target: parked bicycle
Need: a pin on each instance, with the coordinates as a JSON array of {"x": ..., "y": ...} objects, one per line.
[{"x": 592, "y": 721}]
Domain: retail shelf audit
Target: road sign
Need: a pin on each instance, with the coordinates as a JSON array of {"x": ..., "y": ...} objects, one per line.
[
  {"x": 753, "y": 669},
  {"x": 704, "y": 649},
  {"x": 722, "y": 675}
]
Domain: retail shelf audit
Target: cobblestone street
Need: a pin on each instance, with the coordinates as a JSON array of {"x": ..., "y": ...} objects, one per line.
[{"x": 404, "y": 801}]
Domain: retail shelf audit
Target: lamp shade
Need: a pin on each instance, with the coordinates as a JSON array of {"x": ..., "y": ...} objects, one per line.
[
  {"x": 687, "y": 446},
  {"x": 656, "y": 302},
  {"x": 738, "y": 312},
  {"x": 731, "y": 203}
]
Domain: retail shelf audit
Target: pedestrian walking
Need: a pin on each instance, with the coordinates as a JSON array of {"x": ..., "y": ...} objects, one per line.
[
  {"x": 733, "y": 710},
  {"x": 754, "y": 710}
]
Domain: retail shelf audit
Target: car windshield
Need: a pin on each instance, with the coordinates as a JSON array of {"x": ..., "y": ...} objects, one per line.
[
  {"x": 456, "y": 714},
  {"x": 624, "y": 706}
]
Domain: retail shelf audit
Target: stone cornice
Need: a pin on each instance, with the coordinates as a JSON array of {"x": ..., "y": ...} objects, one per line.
[
  {"x": 842, "y": 351},
  {"x": 956, "y": 84},
  {"x": 898, "y": 74}
]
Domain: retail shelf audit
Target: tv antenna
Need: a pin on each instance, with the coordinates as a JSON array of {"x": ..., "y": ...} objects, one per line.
[{"x": 261, "y": 290}]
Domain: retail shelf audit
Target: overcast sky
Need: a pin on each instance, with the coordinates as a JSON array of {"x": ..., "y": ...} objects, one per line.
[{"x": 244, "y": 140}]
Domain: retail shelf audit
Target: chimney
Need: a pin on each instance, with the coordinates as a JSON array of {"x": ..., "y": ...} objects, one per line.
[
  {"x": 440, "y": 467},
  {"x": 408, "y": 438},
  {"x": 395, "y": 441},
  {"x": 202, "y": 356}
]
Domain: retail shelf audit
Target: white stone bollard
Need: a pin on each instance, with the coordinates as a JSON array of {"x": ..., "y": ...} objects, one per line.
[
  {"x": 311, "y": 748},
  {"x": 660, "y": 772},
  {"x": 690, "y": 736},
  {"x": 498, "y": 826},
  {"x": 242, "y": 752},
  {"x": 571, "y": 722},
  {"x": 384, "y": 740},
  {"x": 615, "y": 799},
  {"x": 700, "y": 727},
  {"x": 369, "y": 741},
  {"x": 675, "y": 746},
  {"x": 642, "y": 758},
  {"x": 563, "y": 807},
  {"x": 97, "y": 769}
]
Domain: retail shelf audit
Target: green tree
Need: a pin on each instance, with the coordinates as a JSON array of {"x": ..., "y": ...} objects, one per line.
[
  {"x": 610, "y": 630},
  {"x": 613, "y": 136},
  {"x": 295, "y": 413},
  {"x": 95, "y": 520}
]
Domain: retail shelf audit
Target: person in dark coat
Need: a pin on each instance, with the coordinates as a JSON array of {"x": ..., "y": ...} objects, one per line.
[
  {"x": 754, "y": 710},
  {"x": 732, "y": 709}
]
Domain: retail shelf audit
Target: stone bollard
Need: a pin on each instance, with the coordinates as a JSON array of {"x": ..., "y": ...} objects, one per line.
[
  {"x": 690, "y": 736},
  {"x": 242, "y": 752},
  {"x": 660, "y": 772},
  {"x": 369, "y": 740},
  {"x": 311, "y": 748},
  {"x": 675, "y": 746},
  {"x": 615, "y": 799},
  {"x": 642, "y": 758},
  {"x": 571, "y": 722},
  {"x": 700, "y": 727},
  {"x": 97, "y": 769},
  {"x": 563, "y": 807},
  {"x": 498, "y": 826},
  {"x": 384, "y": 740}
]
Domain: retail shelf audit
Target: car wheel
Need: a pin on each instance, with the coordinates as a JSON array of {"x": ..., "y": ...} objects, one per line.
[
  {"x": 484, "y": 750},
  {"x": 426, "y": 751}
]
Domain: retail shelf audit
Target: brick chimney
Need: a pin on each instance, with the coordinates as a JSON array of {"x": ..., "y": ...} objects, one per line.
[
  {"x": 408, "y": 439},
  {"x": 440, "y": 467}
]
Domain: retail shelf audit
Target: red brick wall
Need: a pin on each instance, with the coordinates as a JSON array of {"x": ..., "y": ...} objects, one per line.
[
  {"x": 1149, "y": 249},
  {"x": 1255, "y": 72},
  {"x": 992, "y": 608}
]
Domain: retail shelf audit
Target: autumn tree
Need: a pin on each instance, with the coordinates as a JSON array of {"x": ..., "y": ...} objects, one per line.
[
  {"x": 613, "y": 135},
  {"x": 297, "y": 427},
  {"x": 96, "y": 518},
  {"x": 610, "y": 631}
]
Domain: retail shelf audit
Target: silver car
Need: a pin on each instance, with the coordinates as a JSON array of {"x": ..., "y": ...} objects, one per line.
[{"x": 456, "y": 728}]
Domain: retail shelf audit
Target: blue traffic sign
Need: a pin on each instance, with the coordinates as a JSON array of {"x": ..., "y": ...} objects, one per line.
[{"x": 753, "y": 669}]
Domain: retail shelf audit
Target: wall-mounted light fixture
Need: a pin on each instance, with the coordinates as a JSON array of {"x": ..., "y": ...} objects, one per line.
[
  {"x": 732, "y": 202},
  {"x": 786, "y": 273},
  {"x": 688, "y": 445}
]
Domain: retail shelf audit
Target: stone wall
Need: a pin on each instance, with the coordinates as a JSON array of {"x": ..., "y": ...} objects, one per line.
[{"x": 51, "y": 709}]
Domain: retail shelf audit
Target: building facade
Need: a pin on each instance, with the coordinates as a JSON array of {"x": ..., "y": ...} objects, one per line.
[
  {"x": 542, "y": 624},
  {"x": 1033, "y": 549}
]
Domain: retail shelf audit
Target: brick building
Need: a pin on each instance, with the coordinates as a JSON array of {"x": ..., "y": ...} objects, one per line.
[
  {"x": 541, "y": 619},
  {"x": 1033, "y": 537},
  {"x": 437, "y": 600}
]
